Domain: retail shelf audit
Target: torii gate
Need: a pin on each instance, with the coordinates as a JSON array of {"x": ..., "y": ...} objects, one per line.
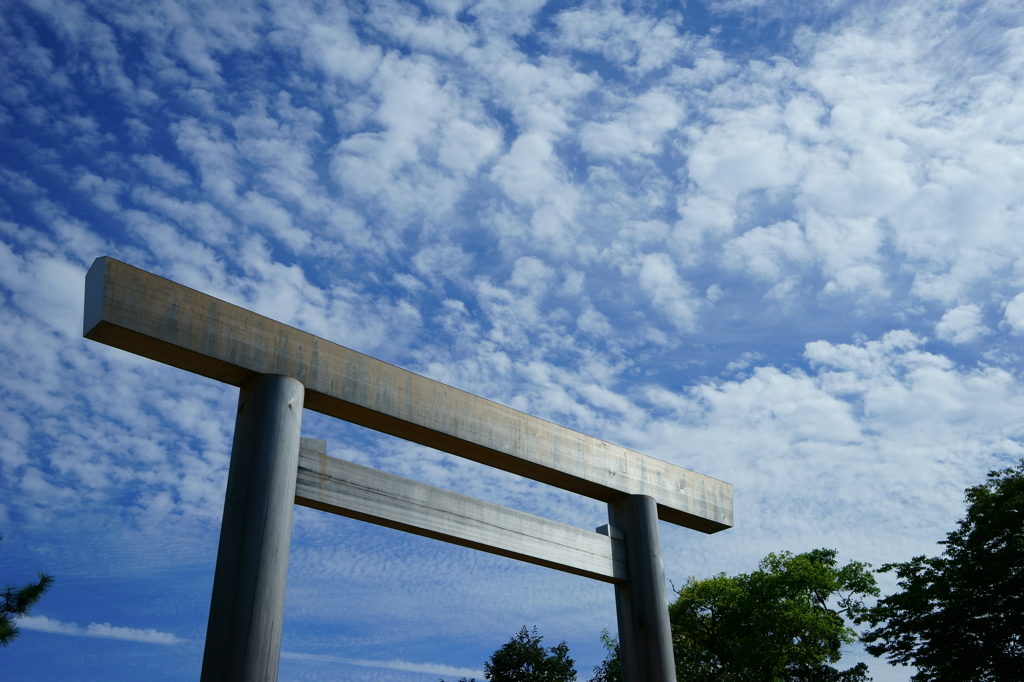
[{"x": 280, "y": 370}]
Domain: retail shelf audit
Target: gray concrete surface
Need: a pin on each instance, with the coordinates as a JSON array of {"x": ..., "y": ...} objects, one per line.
[
  {"x": 243, "y": 637},
  {"x": 348, "y": 489},
  {"x": 641, "y": 604},
  {"x": 148, "y": 315}
]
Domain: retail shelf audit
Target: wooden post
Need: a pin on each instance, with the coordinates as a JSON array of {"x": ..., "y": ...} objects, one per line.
[
  {"x": 645, "y": 636},
  {"x": 243, "y": 638}
]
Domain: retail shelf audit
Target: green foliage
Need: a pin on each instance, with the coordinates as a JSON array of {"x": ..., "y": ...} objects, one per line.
[
  {"x": 523, "y": 659},
  {"x": 18, "y": 601},
  {"x": 781, "y": 623},
  {"x": 960, "y": 616},
  {"x": 610, "y": 669}
]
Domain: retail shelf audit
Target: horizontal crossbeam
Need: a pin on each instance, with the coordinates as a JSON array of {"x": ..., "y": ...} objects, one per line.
[
  {"x": 142, "y": 313},
  {"x": 347, "y": 489}
]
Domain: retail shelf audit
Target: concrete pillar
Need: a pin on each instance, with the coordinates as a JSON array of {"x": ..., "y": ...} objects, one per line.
[
  {"x": 645, "y": 636},
  {"x": 243, "y": 638}
]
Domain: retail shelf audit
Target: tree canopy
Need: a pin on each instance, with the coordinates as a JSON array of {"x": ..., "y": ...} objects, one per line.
[
  {"x": 784, "y": 622},
  {"x": 18, "y": 601},
  {"x": 960, "y": 616},
  {"x": 523, "y": 659},
  {"x": 610, "y": 669}
]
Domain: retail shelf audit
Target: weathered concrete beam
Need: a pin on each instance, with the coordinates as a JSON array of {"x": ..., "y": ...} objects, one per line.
[
  {"x": 341, "y": 487},
  {"x": 150, "y": 316}
]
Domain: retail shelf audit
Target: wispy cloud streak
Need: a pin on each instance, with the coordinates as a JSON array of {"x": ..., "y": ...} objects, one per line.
[
  {"x": 429, "y": 668},
  {"x": 105, "y": 630}
]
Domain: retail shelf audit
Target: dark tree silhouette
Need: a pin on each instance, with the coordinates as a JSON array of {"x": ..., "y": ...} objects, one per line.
[
  {"x": 959, "y": 617},
  {"x": 523, "y": 659},
  {"x": 610, "y": 669},
  {"x": 18, "y": 601}
]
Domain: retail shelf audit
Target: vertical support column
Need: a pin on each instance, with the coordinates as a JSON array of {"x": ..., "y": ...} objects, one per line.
[
  {"x": 243, "y": 638},
  {"x": 645, "y": 636}
]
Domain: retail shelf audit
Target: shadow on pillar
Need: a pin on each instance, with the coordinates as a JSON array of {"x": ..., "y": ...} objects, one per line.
[{"x": 645, "y": 635}]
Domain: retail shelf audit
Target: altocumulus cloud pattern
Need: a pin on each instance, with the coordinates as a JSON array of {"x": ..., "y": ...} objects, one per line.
[{"x": 779, "y": 243}]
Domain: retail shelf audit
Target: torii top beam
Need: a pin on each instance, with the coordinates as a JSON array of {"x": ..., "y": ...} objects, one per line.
[{"x": 142, "y": 313}]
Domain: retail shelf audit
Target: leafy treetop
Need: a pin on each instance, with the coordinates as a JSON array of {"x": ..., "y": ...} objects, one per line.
[
  {"x": 610, "y": 669},
  {"x": 959, "y": 617},
  {"x": 781, "y": 623},
  {"x": 523, "y": 659}
]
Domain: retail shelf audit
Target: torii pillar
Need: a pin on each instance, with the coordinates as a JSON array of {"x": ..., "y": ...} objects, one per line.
[{"x": 243, "y": 638}]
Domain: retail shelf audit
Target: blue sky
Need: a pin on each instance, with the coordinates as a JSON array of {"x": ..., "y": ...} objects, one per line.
[{"x": 777, "y": 245}]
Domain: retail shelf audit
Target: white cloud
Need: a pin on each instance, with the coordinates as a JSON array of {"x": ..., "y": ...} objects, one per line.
[
  {"x": 875, "y": 428},
  {"x": 418, "y": 121},
  {"x": 466, "y": 146},
  {"x": 162, "y": 171},
  {"x": 591, "y": 321},
  {"x": 428, "y": 668},
  {"x": 105, "y": 630},
  {"x": 768, "y": 252},
  {"x": 961, "y": 324},
  {"x": 658, "y": 277},
  {"x": 104, "y": 191},
  {"x": 634, "y": 42},
  {"x": 329, "y": 42},
  {"x": 442, "y": 35},
  {"x": 214, "y": 155},
  {"x": 744, "y": 361},
  {"x": 741, "y": 156},
  {"x": 504, "y": 18},
  {"x": 514, "y": 311},
  {"x": 531, "y": 274},
  {"x": 442, "y": 261},
  {"x": 530, "y": 172},
  {"x": 532, "y": 176},
  {"x": 541, "y": 95},
  {"x": 636, "y": 130},
  {"x": 850, "y": 253},
  {"x": 1014, "y": 314},
  {"x": 201, "y": 219}
]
